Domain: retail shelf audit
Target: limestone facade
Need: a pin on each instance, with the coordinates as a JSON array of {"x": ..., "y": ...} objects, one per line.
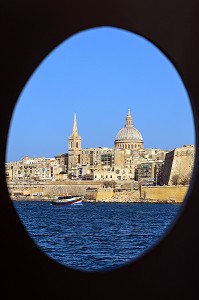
[
  {"x": 173, "y": 194},
  {"x": 127, "y": 160},
  {"x": 178, "y": 165},
  {"x": 36, "y": 169}
]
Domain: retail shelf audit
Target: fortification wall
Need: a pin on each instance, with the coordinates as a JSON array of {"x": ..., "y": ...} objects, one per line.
[
  {"x": 50, "y": 189},
  {"x": 178, "y": 162},
  {"x": 182, "y": 163},
  {"x": 97, "y": 193},
  {"x": 63, "y": 189},
  {"x": 104, "y": 193},
  {"x": 126, "y": 196},
  {"x": 164, "y": 193}
]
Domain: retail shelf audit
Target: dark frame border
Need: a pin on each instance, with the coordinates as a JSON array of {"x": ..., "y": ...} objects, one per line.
[{"x": 29, "y": 31}]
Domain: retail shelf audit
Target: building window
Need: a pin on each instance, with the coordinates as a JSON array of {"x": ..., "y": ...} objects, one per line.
[{"x": 76, "y": 144}]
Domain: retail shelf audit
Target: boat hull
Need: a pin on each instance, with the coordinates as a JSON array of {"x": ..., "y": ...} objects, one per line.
[{"x": 64, "y": 202}]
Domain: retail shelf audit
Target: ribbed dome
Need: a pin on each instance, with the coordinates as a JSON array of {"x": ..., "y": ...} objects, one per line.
[{"x": 129, "y": 132}]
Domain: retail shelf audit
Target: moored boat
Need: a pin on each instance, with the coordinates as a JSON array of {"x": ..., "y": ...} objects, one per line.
[{"x": 67, "y": 200}]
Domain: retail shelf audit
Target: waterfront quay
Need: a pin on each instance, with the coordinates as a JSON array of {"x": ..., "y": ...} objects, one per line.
[{"x": 98, "y": 191}]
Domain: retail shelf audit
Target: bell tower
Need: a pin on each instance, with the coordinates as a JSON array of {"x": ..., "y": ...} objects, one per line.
[{"x": 74, "y": 150}]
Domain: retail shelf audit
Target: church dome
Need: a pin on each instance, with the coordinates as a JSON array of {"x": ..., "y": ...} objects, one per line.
[
  {"x": 129, "y": 137},
  {"x": 129, "y": 133}
]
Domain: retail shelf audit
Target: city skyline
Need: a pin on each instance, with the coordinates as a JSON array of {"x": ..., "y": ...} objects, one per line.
[{"x": 99, "y": 74}]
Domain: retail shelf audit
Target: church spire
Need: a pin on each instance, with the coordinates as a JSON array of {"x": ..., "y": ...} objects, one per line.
[{"x": 75, "y": 131}]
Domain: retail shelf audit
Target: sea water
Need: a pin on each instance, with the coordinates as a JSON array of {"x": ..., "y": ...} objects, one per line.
[{"x": 95, "y": 236}]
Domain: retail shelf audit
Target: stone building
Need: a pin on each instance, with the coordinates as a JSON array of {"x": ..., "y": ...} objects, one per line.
[
  {"x": 96, "y": 159},
  {"x": 33, "y": 169},
  {"x": 178, "y": 165},
  {"x": 118, "y": 163},
  {"x": 149, "y": 172},
  {"x": 62, "y": 160},
  {"x": 74, "y": 150}
]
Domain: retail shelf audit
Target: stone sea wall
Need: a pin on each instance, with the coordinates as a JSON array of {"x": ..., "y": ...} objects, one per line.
[
  {"x": 121, "y": 196},
  {"x": 96, "y": 192},
  {"x": 47, "y": 190},
  {"x": 164, "y": 193}
]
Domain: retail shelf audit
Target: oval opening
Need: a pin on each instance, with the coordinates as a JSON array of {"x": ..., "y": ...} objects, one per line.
[{"x": 105, "y": 116}]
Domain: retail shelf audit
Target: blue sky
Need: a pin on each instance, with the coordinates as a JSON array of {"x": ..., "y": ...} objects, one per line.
[{"x": 99, "y": 74}]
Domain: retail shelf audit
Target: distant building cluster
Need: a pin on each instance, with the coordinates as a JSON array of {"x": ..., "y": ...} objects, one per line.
[
  {"x": 127, "y": 160},
  {"x": 36, "y": 169}
]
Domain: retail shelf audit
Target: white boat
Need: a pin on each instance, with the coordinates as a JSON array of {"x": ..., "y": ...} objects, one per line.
[{"x": 67, "y": 200}]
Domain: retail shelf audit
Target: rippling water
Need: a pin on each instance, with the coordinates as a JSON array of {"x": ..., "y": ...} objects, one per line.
[{"x": 95, "y": 236}]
